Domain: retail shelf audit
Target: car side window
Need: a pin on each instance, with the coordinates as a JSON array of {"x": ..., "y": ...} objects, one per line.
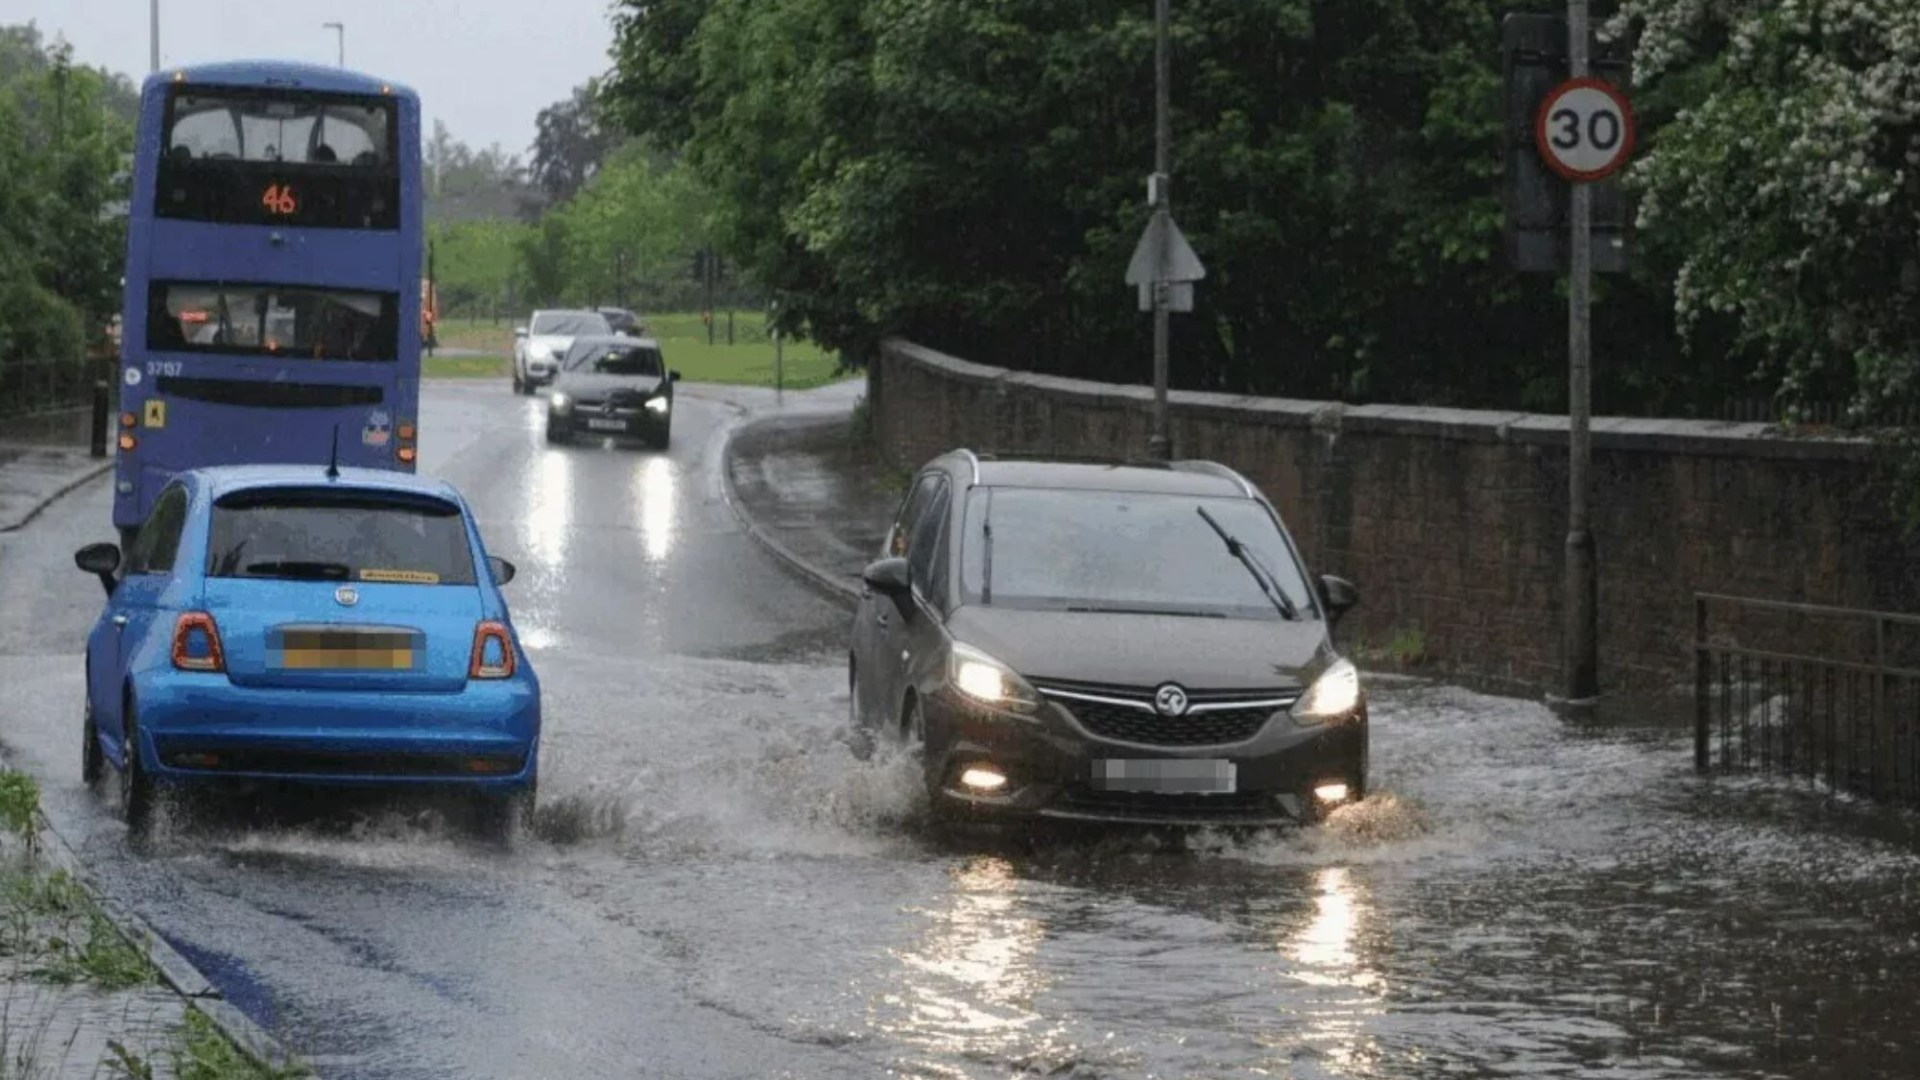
[
  {"x": 927, "y": 548},
  {"x": 911, "y": 509},
  {"x": 158, "y": 540}
]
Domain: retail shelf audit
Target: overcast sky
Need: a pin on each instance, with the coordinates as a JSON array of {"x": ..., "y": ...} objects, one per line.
[{"x": 483, "y": 66}]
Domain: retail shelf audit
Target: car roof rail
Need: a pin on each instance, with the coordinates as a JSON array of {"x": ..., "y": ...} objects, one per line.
[
  {"x": 1068, "y": 458},
  {"x": 973, "y": 460},
  {"x": 1214, "y": 468}
]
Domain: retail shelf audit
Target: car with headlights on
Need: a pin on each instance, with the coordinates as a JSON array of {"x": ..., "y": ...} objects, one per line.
[
  {"x": 1132, "y": 643},
  {"x": 282, "y": 627},
  {"x": 617, "y": 387},
  {"x": 539, "y": 345}
]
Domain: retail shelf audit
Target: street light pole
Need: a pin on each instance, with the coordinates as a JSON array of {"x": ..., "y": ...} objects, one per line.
[
  {"x": 153, "y": 35},
  {"x": 1582, "y": 628},
  {"x": 340, "y": 39},
  {"x": 1160, "y": 445}
]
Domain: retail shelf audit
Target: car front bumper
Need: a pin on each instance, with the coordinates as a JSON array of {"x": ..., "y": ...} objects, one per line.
[
  {"x": 1049, "y": 761},
  {"x": 621, "y": 423},
  {"x": 197, "y": 728}
]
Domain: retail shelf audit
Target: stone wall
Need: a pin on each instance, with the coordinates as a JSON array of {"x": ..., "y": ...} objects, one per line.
[{"x": 1453, "y": 522}]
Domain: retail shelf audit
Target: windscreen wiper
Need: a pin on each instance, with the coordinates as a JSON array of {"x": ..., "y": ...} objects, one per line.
[{"x": 1265, "y": 580}]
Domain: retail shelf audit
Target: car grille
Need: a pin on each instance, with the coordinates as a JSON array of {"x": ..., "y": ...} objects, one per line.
[
  {"x": 1126, "y": 714},
  {"x": 1243, "y": 806}
]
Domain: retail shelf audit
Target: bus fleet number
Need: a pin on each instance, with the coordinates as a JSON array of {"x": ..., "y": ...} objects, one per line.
[{"x": 164, "y": 367}]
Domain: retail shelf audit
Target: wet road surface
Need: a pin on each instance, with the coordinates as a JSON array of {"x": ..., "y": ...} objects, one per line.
[{"x": 721, "y": 890}]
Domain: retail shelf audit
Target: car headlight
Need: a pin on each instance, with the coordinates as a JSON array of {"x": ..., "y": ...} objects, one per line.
[
  {"x": 560, "y": 402},
  {"x": 1334, "y": 694},
  {"x": 988, "y": 681},
  {"x": 658, "y": 405}
]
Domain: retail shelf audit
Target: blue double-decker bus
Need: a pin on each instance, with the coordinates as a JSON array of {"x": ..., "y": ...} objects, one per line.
[{"x": 273, "y": 275}]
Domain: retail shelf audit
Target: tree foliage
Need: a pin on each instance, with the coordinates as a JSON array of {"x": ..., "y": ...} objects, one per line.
[
  {"x": 970, "y": 172},
  {"x": 64, "y": 141},
  {"x": 569, "y": 144},
  {"x": 1787, "y": 192}
]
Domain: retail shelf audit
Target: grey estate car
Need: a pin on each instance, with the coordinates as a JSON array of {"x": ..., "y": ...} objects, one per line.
[{"x": 1125, "y": 643}]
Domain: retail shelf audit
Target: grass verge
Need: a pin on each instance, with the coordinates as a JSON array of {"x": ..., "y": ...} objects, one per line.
[
  {"x": 747, "y": 361},
  {"x": 53, "y": 932},
  {"x": 466, "y": 367}
]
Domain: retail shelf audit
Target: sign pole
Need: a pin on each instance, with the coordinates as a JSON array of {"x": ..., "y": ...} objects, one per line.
[
  {"x": 1159, "y": 445},
  {"x": 1582, "y": 586}
]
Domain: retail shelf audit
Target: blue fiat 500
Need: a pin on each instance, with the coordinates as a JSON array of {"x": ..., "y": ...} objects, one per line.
[{"x": 285, "y": 625}]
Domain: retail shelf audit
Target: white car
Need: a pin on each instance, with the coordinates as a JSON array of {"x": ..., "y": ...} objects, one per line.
[{"x": 539, "y": 346}]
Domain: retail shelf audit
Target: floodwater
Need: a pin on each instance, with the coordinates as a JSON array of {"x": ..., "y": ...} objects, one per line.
[{"x": 718, "y": 888}]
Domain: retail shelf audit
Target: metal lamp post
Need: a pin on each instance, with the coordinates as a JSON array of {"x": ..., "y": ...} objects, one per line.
[
  {"x": 340, "y": 39},
  {"x": 1163, "y": 267}
]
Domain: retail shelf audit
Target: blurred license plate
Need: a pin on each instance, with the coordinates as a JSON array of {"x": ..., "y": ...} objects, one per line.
[
  {"x": 298, "y": 649},
  {"x": 1169, "y": 776},
  {"x": 607, "y": 425}
]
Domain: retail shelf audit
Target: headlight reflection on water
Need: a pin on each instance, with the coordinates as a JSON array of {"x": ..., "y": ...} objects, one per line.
[
  {"x": 970, "y": 983},
  {"x": 655, "y": 496},
  {"x": 1327, "y": 959}
]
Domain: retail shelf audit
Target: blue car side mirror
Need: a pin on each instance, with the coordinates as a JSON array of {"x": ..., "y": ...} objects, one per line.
[
  {"x": 502, "y": 570},
  {"x": 100, "y": 560}
]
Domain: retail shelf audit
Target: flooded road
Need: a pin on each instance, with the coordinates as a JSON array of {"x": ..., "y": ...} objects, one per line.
[{"x": 720, "y": 889}]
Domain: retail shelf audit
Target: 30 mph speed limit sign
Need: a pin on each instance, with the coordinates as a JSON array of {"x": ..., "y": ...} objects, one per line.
[{"x": 1585, "y": 130}]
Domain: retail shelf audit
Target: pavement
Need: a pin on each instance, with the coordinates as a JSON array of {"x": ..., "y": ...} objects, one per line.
[
  {"x": 32, "y": 477},
  {"x": 813, "y": 494}
]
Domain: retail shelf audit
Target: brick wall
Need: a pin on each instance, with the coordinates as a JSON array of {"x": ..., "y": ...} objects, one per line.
[{"x": 1453, "y": 522}]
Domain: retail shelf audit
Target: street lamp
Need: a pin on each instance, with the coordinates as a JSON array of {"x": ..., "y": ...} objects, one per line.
[
  {"x": 154, "y": 34},
  {"x": 340, "y": 34}
]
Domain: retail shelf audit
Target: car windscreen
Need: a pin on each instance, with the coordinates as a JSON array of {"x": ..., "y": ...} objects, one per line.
[
  {"x": 636, "y": 360},
  {"x": 292, "y": 322},
  {"x": 574, "y": 323},
  {"x": 307, "y": 534},
  {"x": 241, "y": 155},
  {"x": 1122, "y": 551}
]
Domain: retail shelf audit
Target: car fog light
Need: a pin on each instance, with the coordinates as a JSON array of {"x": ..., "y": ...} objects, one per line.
[
  {"x": 1331, "y": 793},
  {"x": 984, "y": 778}
]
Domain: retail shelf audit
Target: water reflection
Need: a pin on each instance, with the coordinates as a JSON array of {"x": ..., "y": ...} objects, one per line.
[
  {"x": 548, "y": 524},
  {"x": 1346, "y": 989},
  {"x": 971, "y": 981},
  {"x": 654, "y": 494}
]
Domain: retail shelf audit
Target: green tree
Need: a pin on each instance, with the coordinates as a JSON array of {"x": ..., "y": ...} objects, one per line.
[
  {"x": 969, "y": 172},
  {"x": 64, "y": 139},
  {"x": 1787, "y": 195}
]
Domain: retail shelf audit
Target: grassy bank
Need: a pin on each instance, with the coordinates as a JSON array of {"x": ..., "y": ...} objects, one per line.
[
  {"x": 53, "y": 936},
  {"x": 749, "y": 361}
]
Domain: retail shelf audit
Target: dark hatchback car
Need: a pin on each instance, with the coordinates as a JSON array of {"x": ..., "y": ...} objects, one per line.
[
  {"x": 623, "y": 321},
  {"x": 612, "y": 386},
  {"x": 1122, "y": 643}
]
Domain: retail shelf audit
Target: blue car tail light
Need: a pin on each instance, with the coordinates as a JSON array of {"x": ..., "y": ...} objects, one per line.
[
  {"x": 196, "y": 643},
  {"x": 492, "y": 652}
]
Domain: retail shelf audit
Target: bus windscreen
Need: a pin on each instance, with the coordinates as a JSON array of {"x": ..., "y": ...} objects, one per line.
[
  {"x": 265, "y": 157},
  {"x": 286, "y": 322}
]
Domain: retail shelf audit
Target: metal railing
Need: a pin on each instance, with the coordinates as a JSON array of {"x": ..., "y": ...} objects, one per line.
[
  {"x": 29, "y": 387},
  {"x": 1836, "y": 703}
]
